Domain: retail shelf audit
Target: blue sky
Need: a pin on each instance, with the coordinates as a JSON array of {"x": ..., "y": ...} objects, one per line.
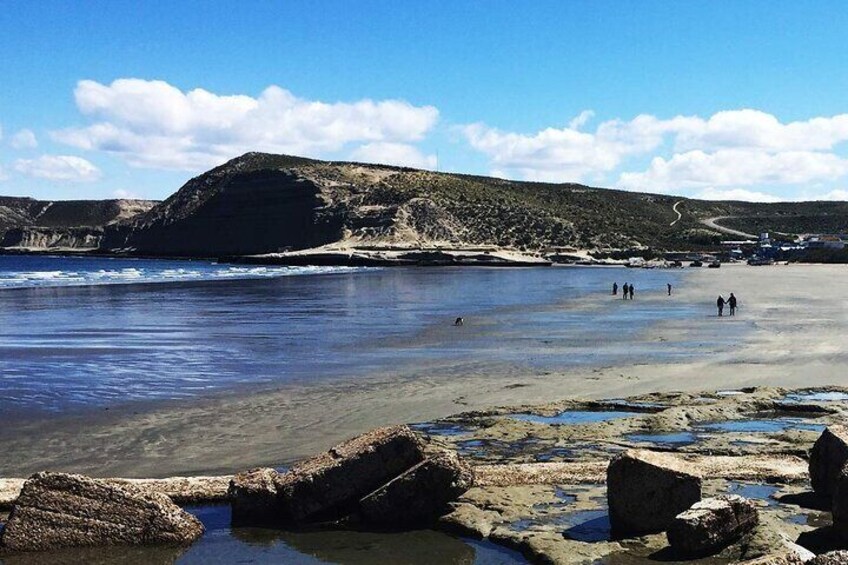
[{"x": 707, "y": 99}]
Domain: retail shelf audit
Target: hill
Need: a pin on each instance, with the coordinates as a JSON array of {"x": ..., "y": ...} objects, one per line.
[{"x": 261, "y": 203}]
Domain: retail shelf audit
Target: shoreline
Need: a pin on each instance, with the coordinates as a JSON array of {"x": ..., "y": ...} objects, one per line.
[{"x": 784, "y": 347}]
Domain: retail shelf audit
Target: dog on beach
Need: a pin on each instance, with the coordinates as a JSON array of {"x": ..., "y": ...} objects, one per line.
[{"x": 458, "y": 322}]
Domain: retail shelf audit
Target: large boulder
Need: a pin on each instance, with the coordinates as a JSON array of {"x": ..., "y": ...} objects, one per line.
[
  {"x": 828, "y": 456},
  {"x": 840, "y": 504},
  {"x": 646, "y": 490},
  {"x": 420, "y": 495},
  {"x": 712, "y": 524},
  {"x": 56, "y": 510},
  {"x": 329, "y": 486},
  {"x": 253, "y": 497}
]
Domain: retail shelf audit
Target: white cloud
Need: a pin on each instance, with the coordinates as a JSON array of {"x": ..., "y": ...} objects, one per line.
[
  {"x": 3, "y": 175},
  {"x": 735, "y": 167},
  {"x": 401, "y": 154},
  {"x": 569, "y": 154},
  {"x": 581, "y": 119},
  {"x": 154, "y": 124},
  {"x": 126, "y": 194},
  {"x": 58, "y": 168},
  {"x": 24, "y": 139},
  {"x": 729, "y": 149},
  {"x": 755, "y": 129},
  {"x": 836, "y": 194},
  {"x": 712, "y": 193}
]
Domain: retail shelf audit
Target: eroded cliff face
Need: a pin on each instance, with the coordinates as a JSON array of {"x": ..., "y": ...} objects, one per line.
[
  {"x": 73, "y": 224},
  {"x": 52, "y": 238}
]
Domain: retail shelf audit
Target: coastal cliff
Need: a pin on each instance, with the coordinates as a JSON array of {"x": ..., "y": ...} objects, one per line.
[{"x": 26, "y": 223}]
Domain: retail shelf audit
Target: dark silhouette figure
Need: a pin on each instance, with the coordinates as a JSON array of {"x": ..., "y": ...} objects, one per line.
[
  {"x": 624, "y": 290},
  {"x": 458, "y": 322},
  {"x": 631, "y": 292},
  {"x": 669, "y": 288},
  {"x": 720, "y": 304},
  {"x": 614, "y": 289},
  {"x": 732, "y": 303}
]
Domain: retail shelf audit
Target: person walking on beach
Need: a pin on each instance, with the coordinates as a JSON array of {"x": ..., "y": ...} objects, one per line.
[
  {"x": 732, "y": 303},
  {"x": 614, "y": 288},
  {"x": 669, "y": 288},
  {"x": 720, "y": 304},
  {"x": 624, "y": 290},
  {"x": 631, "y": 292}
]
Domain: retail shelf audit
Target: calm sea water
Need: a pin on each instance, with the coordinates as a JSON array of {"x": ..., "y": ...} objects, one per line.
[{"x": 71, "y": 337}]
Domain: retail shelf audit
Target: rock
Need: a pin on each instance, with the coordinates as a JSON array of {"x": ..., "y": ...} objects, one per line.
[
  {"x": 329, "y": 486},
  {"x": 830, "y": 558},
  {"x": 828, "y": 456},
  {"x": 840, "y": 505},
  {"x": 711, "y": 524},
  {"x": 470, "y": 521},
  {"x": 646, "y": 490},
  {"x": 57, "y": 510},
  {"x": 420, "y": 495},
  {"x": 253, "y": 497}
]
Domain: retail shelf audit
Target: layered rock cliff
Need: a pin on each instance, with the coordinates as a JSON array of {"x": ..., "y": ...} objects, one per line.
[{"x": 77, "y": 224}]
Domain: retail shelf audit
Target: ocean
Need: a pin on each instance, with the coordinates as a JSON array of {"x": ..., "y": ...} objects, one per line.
[{"x": 91, "y": 332}]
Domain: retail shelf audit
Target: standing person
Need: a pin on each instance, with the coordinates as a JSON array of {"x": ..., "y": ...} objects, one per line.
[
  {"x": 624, "y": 291},
  {"x": 669, "y": 288},
  {"x": 732, "y": 303},
  {"x": 720, "y": 304},
  {"x": 614, "y": 288},
  {"x": 631, "y": 292}
]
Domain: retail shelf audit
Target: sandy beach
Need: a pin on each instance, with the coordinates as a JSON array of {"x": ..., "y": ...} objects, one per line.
[{"x": 791, "y": 322}]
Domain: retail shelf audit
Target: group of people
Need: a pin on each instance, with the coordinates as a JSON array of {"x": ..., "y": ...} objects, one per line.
[
  {"x": 731, "y": 303},
  {"x": 626, "y": 290}
]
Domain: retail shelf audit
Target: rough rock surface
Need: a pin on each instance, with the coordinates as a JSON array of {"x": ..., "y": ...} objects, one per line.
[
  {"x": 329, "y": 486},
  {"x": 646, "y": 490},
  {"x": 711, "y": 524},
  {"x": 58, "y": 510},
  {"x": 253, "y": 497},
  {"x": 830, "y": 558},
  {"x": 421, "y": 494},
  {"x": 840, "y": 504},
  {"x": 828, "y": 456}
]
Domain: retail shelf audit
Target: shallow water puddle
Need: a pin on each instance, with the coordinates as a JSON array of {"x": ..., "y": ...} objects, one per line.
[
  {"x": 530, "y": 447},
  {"x": 449, "y": 429},
  {"x": 822, "y": 396},
  {"x": 671, "y": 439},
  {"x": 773, "y": 425},
  {"x": 754, "y": 491},
  {"x": 575, "y": 417},
  {"x": 223, "y": 544}
]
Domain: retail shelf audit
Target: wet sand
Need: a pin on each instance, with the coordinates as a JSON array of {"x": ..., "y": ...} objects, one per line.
[{"x": 791, "y": 327}]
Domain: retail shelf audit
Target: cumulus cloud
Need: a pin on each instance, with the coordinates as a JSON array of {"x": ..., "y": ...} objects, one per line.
[
  {"x": 154, "y": 124},
  {"x": 712, "y": 193},
  {"x": 24, "y": 139},
  {"x": 400, "y": 154},
  {"x": 729, "y": 149},
  {"x": 569, "y": 154},
  {"x": 58, "y": 168},
  {"x": 734, "y": 167}
]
